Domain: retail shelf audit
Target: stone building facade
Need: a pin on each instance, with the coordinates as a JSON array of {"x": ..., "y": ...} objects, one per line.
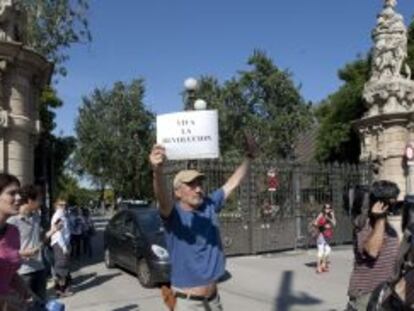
[{"x": 23, "y": 75}]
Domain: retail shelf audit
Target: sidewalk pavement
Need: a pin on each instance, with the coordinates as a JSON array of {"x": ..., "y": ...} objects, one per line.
[
  {"x": 275, "y": 282},
  {"x": 287, "y": 281}
]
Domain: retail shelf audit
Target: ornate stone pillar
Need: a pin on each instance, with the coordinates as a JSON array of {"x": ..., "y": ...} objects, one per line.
[
  {"x": 23, "y": 74},
  {"x": 389, "y": 96}
]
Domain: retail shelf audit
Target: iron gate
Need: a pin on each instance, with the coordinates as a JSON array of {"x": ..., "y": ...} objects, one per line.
[{"x": 256, "y": 220}]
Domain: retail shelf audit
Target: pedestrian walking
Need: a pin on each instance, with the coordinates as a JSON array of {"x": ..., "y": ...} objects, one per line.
[
  {"x": 88, "y": 231},
  {"x": 324, "y": 223},
  {"x": 76, "y": 231},
  {"x": 192, "y": 231},
  {"x": 60, "y": 242}
]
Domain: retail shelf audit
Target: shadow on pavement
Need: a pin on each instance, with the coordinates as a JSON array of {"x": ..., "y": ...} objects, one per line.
[
  {"x": 91, "y": 280},
  {"x": 311, "y": 264},
  {"x": 133, "y": 307},
  {"x": 287, "y": 299},
  {"x": 82, "y": 278}
]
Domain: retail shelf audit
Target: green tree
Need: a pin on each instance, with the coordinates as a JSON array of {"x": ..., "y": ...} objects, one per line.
[
  {"x": 115, "y": 131},
  {"x": 75, "y": 195},
  {"x": 263, "y": 99},
  {"x": 337, "y": 139},
  {"x": 54, "y": 26}
]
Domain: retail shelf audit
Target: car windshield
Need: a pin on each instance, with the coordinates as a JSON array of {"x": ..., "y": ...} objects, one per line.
[{"x": 149, "y": 221}]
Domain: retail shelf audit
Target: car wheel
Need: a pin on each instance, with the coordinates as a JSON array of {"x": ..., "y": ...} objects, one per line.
[
  {"x": 144, "y": 274},
  {"x": 109, "y": 263}
]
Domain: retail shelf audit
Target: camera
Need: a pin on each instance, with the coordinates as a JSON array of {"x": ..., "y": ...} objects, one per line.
[
  {"x": 361, "y": 198},
  {"x": 384, "y": 191}
]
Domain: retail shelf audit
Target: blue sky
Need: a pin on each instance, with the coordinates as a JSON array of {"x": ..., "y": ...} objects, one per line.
[{"x": 166, "y": 41}]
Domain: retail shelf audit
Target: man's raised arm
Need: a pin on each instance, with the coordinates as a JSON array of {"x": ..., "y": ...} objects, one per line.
[
  {"x": 235, "y": 180},
  {"x": 375, "y": 240},
  {"x": 157, "y": 159}
]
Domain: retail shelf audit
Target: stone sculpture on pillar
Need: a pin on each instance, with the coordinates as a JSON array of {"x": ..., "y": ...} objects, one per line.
[
  {"x": 12, "y": 21},
  {"x": 390, "y": 88},
  {"x": 389, "y": 97}
]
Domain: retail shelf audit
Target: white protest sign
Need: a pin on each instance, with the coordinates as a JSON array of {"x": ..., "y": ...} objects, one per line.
[{"x": 189, "y": 135}]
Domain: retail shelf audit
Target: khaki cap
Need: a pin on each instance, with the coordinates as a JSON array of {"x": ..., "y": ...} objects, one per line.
[{"x": 186, "y": 176}]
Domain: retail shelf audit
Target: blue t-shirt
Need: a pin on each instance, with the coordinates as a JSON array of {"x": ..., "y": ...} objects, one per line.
[{"x": 194, "y": 243}]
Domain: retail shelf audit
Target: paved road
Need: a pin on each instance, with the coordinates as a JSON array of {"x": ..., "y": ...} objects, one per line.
[{"x": 283, "y": 281}]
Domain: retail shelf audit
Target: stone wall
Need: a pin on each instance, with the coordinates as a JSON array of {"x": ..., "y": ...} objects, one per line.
[{"x": 23, "y": 75}]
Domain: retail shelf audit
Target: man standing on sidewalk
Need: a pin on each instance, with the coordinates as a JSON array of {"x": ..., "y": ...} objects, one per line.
[
  {"x": 192, "y": 232},
  {"x": 376, "y": 246}
]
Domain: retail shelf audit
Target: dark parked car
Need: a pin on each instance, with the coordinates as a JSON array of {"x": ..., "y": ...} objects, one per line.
[
  {"x": 128, "y": 204},
  {"x": 134, "y": 239}
]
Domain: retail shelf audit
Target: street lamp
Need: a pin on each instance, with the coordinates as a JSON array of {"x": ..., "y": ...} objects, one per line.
[
  {"x": 190, "y": 86},
  {"x": 200, "y": 104},
  {"x": 190, "y": 101}
]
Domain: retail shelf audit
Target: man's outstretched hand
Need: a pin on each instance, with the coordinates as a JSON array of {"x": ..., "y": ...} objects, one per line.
[
  {"x": 157, "y": 157},
  {"x": 251, "y": 147}
]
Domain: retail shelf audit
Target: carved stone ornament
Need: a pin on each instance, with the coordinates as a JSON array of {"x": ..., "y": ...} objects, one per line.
[
  {"x": 4, "y": 118},
  {"x": 4, "y": 4},
  {"x": 391, "y": 3},
  {"x": 12, "y": 21},
  {"x": 390, "y": 88}
]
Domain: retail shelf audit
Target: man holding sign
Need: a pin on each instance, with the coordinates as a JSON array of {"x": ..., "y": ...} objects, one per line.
[{"x": 192, "y": 232}]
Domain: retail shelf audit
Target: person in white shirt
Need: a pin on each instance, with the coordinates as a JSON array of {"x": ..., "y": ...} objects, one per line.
[{"x": 60, "y": 242}]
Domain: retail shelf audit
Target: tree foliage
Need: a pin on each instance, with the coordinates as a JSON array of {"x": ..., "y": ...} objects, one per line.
[
  {"x": 337, "y": 139},
  {"x": 62, "y": 148},
  {"x": 54, "y": 26},
  {"x": 70, "y": 190},
  {"x": 263, "y": 99},
  {"x": 115, "y": 131}
]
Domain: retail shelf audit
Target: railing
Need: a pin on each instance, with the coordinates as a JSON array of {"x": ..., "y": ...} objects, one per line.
[{"x": 256, "y": 220}]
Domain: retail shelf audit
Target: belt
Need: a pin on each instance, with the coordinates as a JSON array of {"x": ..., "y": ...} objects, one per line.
[{"x": 195, "y": 297}]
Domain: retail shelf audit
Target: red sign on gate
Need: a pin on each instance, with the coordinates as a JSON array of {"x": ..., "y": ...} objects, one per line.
[{"x": 272, "y": 180}]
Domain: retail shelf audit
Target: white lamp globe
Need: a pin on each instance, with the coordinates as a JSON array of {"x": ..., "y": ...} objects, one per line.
[
  {"x": 190, "y": 84},
  {"x": 200, "y": 104}
]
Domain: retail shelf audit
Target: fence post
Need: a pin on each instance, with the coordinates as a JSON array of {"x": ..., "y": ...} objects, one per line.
[
  {"x": 296, "y": 178},
  {"x": 251, "y": 203},
  {"x": 336, "y": 176}
]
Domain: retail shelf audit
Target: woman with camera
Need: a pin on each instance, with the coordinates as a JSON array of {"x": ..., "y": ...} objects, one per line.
[{"x": 324, "y": 223}]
